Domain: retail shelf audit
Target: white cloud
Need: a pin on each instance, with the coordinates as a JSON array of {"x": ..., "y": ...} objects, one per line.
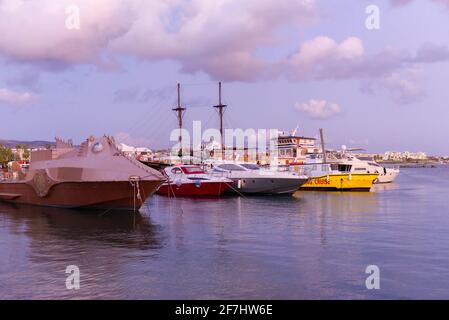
[
  {"x": 324, "y": 49},
  {"x": 318, "y": 109},
  {"x": 404, "y": 2},
  {"x": 324, "y": 58},
  {"x": 445, "y": 2},
  {"x": 218, "y": 37},
  {"x": 11, "y": 97},
  {"x": 430, "y": 52},
  {"x": 221, "y": 38},
  {"x": 36, "y": 31},
  {"x": 393, "y": 70},
  {"x": 404, "y": 87}
]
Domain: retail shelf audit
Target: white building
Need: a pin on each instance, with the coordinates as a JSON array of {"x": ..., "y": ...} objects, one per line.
[
  {"x": 403, "y": 156},
  {"x": 140, "y": 153},
  {"x": 293, "y": 149}
]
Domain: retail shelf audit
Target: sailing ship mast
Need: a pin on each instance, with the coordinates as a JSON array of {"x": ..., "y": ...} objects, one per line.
[
  {"x": 221, "y": 108},
  {"x": 179, "y": 113}
]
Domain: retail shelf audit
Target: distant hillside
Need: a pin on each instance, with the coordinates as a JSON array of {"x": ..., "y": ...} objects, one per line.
[{"x": 30, "y": 144}]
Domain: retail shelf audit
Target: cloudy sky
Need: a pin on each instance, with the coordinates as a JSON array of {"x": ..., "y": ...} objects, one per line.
[{"x": 283, "y": 63}]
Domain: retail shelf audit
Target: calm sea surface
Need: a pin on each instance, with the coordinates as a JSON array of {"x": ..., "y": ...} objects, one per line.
[{"x": 310, "y": 246}]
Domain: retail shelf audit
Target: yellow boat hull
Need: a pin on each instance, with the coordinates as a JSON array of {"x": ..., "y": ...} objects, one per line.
[{"x": 341, "y": 182}]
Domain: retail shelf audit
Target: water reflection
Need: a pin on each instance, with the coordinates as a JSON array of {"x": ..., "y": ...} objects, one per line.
[
  {"x": 311, "y": 245},
  {"x": 37, "y": 244},
  {"x": 116, "y": 228},
  {"x": 347, "y": 203}
]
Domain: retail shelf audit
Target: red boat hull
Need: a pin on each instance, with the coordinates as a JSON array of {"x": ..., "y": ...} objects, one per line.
[{"x": 192, "y": 189}]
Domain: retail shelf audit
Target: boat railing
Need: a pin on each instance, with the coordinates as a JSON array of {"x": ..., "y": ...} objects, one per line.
[{"x": 297, "y": 169}]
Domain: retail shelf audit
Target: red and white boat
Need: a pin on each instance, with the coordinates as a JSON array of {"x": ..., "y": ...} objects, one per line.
[{"x": 191, "y": 180}]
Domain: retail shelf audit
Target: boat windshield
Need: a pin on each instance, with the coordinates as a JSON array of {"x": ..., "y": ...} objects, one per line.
[
  {"x": 192, "y": 170},
  {"x": 230, "y": 167},
  {"x": 250, "y": 166}
]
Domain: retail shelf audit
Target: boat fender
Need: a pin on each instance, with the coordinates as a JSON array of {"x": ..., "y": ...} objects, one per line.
[
  {"x": 178, "y": 183},
  {"x": 239, "y": 184},
  {"x": 197, "y": 183},
  {"x": 328, "y": 178},
  {"x": 350, "y": 177}
]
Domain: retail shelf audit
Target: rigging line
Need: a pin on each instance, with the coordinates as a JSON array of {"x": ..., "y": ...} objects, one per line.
[
  {"x": 137, "y": 127},
  {"x": 142, "y": 133},
  {"x": 211, "y": 115},
  {"x": 155, "y": 126},
  {"x": 227, "y": 123},
  {"x": 198, "y": 106},
  {"x": 155, "y": 131},
  {"x": 157, "y": 119},
  {"x": 166, "y": 124},
  {"x": 152, "y": 124},
  {"x": 170, "y": 123},
  {"x": 159, "y": 123},
  {"x": 167, "y": 116},
  {"x": 155, "y": 107},
  {"x": 189, "y": 125},
  {"x": 192, "y": 84},
  {"x": 150, "y": 115},
  {"x": 231, "y": 121},
  {"x": 140, "y": 119}
]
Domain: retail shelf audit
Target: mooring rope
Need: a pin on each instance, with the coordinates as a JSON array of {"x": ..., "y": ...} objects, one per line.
[
  {"x": 135, "y": 184},
  {"x": 170, "y": 189},
  {"x": 241, "y": 194}
]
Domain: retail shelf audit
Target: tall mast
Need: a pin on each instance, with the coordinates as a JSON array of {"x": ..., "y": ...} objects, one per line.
[
  {"x": 322, "y": 145},
  {"x": 220, "y": 108},
  {"x": 179, "y": 113}
]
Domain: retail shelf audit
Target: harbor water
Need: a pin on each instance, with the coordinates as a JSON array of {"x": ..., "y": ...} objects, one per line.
[{"x": 314, "y": 245}]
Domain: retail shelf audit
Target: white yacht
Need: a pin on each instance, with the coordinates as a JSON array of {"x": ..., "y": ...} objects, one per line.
[
  {"x": 386, "y": 175},
  {"x": 250, "y": 178}
]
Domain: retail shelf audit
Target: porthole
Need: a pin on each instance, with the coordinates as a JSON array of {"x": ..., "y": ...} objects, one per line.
[{"x": 97, "y": 147}]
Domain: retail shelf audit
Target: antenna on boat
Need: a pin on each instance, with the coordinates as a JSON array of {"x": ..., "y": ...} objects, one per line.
[
  {"x": 180, "y": 113},
  {"x": 220, "y": 108},
  {"x": 322, "y": 145}
]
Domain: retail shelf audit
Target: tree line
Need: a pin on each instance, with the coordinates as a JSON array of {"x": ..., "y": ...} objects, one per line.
[{"x": 7, "y": 154}]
